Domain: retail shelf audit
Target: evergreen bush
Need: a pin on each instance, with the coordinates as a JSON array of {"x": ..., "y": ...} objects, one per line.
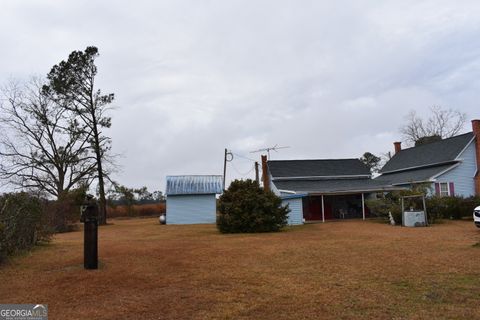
[{"x": 245, "y": 207}]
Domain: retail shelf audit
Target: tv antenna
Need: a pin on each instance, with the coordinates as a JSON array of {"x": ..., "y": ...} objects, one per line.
[{"x": 268, "y": 149}]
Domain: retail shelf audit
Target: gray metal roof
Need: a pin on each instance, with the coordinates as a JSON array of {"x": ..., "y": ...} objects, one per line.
[
  {"x": 198, "y": 184},
  {"x": 333, "y": 186},
  {"x": 317, "y": 168},
  {"x": 416, "y": 175},
  {"x": 438, "y": 152}
]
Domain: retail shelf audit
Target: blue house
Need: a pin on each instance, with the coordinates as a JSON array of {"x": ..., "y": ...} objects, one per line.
[
  {"x": 192, "y": 199},
  {"x": 329, "y": 189},
  {"x": 449, "y": 166}
]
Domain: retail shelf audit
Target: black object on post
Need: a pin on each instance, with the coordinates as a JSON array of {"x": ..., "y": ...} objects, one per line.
[{"x": 89, "y": 216}]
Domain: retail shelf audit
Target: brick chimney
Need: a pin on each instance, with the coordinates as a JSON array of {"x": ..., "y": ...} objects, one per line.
[
  {"x": 476, "y": 132},
  {"x": 266, "y": 182},
  {"x": 398, "y": 146}
]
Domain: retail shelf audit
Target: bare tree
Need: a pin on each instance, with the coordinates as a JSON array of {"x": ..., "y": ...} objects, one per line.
[
  {"x": 442, "y": 123},
  {"x": 42, "y": 146}
]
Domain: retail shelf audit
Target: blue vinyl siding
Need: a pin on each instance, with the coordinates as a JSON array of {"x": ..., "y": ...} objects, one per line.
[
  {"x": 429, "y": 185},
  {"x": 462, "y": 175},
  {"x": 295, "y": 216},
  {"x": 191, "y": 209}
]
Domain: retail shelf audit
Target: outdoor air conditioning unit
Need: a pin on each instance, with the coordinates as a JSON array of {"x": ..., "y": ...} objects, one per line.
[{"x": 414, "y": 219}]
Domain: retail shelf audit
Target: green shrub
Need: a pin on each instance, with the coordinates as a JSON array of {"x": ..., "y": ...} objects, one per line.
[
  {"x": 23, "y": 223},
  {"x": 383, "y": 206},
  {"x": 3, "y": 250},
  {"x": 245, "y": 207},
  {"x": 454, "y": 207},
  {"x": 434, "y": 208}
]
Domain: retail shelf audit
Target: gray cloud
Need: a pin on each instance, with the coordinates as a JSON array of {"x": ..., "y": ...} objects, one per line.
[{"x": 329, "y": 79}]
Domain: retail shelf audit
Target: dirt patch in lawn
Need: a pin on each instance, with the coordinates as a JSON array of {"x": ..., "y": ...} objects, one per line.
[{"x": 340, "y": 270}]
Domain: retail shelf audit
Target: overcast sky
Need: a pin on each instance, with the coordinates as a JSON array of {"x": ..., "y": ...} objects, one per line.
[{"x": 330, "y": 79}]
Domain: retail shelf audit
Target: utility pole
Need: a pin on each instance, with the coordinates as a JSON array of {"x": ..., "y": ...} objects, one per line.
[
  {"x": 266, "y": 182},
  {"x": 225, "y": 160},
  {"x": 224, "y": 167},
  {"x": 256, "y": 173}
]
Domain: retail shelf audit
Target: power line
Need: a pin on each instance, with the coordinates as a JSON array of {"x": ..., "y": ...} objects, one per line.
[
  {"x": 241, "y": 173},
  {"x": 243, "y": 157}
]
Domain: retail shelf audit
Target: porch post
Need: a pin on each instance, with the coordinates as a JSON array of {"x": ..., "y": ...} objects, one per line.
[
  {"x": 323, "y": 210},
  {"x": 363, "y": 205}
]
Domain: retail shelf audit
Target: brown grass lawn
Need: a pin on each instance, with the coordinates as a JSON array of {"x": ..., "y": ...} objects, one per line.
[{"x": 337, "y": 270}]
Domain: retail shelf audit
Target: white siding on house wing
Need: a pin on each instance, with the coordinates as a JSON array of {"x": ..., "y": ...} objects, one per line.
[
  {"x": 295, "y": 216},
  {"x": 191, "y": 209},
  {"x": 462, "y": 175},
  {"x": 273, "y": 187}
]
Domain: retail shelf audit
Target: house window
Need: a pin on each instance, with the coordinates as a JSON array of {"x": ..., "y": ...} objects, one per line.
[{"x": 444, "y": 192}]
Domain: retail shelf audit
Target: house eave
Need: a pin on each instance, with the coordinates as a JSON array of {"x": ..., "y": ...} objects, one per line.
[
  {"x": 287, "y": 191},
  {"x": 362, "y": 176},
  {"x": 419, "y": 167},
  {"x": 412, "y": 182},
  {"x": 358, "y": 191},
  {"x": 463, "y": 150}
]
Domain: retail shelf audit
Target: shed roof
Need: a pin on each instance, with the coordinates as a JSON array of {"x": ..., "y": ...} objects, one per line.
[
  {"x": 194, "y": 184},
  {"x": 317, "y": 168},
  {"x": 439, "y": 152}
]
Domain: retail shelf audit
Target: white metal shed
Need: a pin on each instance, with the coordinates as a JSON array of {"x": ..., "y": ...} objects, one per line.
[{"x": 191, "y": 199}]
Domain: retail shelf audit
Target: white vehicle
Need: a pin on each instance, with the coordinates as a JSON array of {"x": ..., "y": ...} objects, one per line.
[{"x": 476, "y": 216}]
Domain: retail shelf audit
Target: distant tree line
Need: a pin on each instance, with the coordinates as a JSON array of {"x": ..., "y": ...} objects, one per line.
[{"x": 122, "y": 195}]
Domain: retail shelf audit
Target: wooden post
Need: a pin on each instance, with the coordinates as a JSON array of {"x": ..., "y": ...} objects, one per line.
[
  {"x": 256, "y": 173},
  {"x": 224, "y": 167},
  {"x": 266, "y": 184},
  {"x": 425, "y": 210},
  {"x": 89, "y": 216},
  {"x": 323, "y": 210},
  {"x": 363, "y": 205},
  {"x": 403, "y": 213}
]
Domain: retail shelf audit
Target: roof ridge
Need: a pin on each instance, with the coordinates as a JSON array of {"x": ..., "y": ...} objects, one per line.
[{"x": 436, "y": 142}]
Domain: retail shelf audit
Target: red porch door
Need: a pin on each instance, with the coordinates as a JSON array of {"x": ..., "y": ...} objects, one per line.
[{"x": 312, "y": 208}]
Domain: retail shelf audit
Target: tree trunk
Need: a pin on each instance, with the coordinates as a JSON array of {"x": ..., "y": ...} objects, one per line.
[
  {"x": 101, "y": 184},
  {"x": 101, "y": 191}
]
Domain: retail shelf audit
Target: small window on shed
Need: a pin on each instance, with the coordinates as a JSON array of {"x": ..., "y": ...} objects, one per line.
[{"x": 444, "y": 189}]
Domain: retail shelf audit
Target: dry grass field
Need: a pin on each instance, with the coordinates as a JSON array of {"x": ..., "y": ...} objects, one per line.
[{"x": 337, "y": 270}]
